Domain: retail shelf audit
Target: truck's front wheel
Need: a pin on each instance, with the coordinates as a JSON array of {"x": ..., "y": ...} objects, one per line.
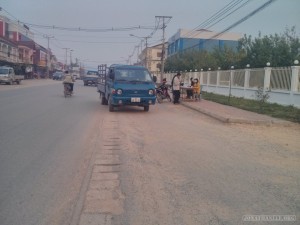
[
  {"x": 146, "y": 108},
  {"x": 111, "y": 106}
]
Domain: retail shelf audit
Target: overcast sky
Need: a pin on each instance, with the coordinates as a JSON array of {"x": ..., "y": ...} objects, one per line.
[{"x": 94, "y": 48}]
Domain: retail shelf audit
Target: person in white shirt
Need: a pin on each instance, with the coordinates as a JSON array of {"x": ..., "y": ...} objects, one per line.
[{"x": 176, "y": 88}]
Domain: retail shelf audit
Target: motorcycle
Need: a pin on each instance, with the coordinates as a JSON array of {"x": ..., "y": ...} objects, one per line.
[
  {"x": 67, "y": 90},
  {"x": 162, "y": 93}
]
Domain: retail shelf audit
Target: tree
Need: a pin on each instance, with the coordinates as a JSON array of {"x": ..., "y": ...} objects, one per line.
[{"x": 278, "y": 49}]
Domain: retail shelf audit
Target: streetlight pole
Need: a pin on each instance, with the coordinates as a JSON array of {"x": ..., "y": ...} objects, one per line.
[{"x": 146, "y": 47}]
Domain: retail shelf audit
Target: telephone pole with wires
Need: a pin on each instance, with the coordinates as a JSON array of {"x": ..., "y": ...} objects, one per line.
[
  {"x": 163, "y": 44},
  {"x": 47, "y": 56},
  {"x": 66, "y": 61}
]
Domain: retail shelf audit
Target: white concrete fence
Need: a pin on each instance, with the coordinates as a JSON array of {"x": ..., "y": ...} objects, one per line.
[{"x": 282, "y": 84}]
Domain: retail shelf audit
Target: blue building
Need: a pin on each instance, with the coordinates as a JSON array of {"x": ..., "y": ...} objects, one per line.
[{"x": 200, "y": 40}]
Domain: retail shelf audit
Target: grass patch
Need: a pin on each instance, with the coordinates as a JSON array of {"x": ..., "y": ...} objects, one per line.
[{"x": 289, "y": 113}]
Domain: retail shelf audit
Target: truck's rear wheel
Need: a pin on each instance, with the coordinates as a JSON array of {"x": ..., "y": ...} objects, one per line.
[
  {"x": 146, "y": 108},
  {"x": 103, "y": 99}
]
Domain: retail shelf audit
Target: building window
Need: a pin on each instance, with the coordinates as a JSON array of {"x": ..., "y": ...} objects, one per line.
[{"x": 159, "y": 54}]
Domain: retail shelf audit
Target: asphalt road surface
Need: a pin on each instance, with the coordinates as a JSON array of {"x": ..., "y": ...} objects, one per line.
[
  {"x": 170, "y": 165},
  {"x": 43, "y": 156}
]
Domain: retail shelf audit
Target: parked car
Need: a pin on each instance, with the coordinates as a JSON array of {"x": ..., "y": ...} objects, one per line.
[
  {"x": 58, "y": 76},
  {"x": 8, "y": 76}
]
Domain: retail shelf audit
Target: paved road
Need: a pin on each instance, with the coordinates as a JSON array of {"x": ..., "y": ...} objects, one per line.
[
  {"x": 171, "y": 165},
  {"x": 44, "y": 151}
]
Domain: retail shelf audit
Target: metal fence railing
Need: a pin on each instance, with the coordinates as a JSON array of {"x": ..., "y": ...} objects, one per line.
[
  {"x": 238, "y": 78},
  {"x": 224, "y": 78},
  {"x": 213, "y": 78},
  {"x": 205, "y": 75},
  {"x": 256, "y": 78},
  {"x": 281, "y": 78}
]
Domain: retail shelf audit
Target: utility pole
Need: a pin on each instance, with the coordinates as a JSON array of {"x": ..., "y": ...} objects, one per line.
[
  {"x": 146, "y": 44},
  {"x": 163, "y": 44},
  {"x": 71, "y": 57},
  {"x": 66, "y": 61},
  {"x": 47, "y": 56},
  {"x": 146, "y": 53}
]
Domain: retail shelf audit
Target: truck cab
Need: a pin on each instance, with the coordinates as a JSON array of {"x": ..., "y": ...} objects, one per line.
[{"x": 121, "y": 85}]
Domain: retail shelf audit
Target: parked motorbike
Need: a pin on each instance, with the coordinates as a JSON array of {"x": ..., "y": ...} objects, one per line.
[
  {"x": 162, "y": 93},
  {"x": 67, "y": 90}
]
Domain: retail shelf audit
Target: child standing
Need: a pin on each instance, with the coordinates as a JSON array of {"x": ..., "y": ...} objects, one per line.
[{"x": 196, "y": 89}]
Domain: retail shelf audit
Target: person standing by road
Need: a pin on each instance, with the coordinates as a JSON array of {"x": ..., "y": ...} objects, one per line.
[
  {"x": 176, "y": 88},
  {"x": 196, "y": 89}
]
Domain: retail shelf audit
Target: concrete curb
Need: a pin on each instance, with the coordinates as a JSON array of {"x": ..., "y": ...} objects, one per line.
[{"x": 231, "y": 120}]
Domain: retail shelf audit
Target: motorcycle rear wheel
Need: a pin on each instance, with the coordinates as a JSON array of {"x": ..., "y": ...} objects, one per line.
[{"x": 159, "y": 98}]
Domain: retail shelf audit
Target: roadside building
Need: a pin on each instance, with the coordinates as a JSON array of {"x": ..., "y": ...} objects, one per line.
[
  {"x": 8, "y": 52},
  {"x": 151, "y": 58},
  {"x": 201, "y": 39},
  {"x": 18, "y": 49}
]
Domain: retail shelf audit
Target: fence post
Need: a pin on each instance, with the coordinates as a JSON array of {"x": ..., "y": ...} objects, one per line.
[
  {"x": 218, "y": 78},
  {"x": 295, "y": 79},
  {"x": 208, "y": 77},
  {"x": 247, "y": 78},
  {"x": 267, "y": 78},
  {"x": 201, "y": 77},
  {"x": 231, "y": 80}
]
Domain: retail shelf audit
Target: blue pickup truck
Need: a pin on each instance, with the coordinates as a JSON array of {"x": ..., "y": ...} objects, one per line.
[{"x": 121, "y": 85}]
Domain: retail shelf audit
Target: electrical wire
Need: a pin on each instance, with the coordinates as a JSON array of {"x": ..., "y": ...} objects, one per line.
[
  {"x": 266, "y": 4},
  {"x": 97, "y": 42},
  {"x": 112, "y": 29},
  {"x": 217, "y": 16}
]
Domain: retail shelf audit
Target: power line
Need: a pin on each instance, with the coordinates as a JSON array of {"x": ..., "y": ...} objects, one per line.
[
  {"x": 218, "y": 16},
  {"x": 245, "y": 3},
  {"x": 112, "y": 29},
  {"x": 98, "y": 42},
  {"x": 237, "y": 23}
]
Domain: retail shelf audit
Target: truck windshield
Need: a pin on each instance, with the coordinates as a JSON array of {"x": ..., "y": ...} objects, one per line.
[
  {"x": 3, "y": 71},
  {"x": 132, "y": 75},
  {"x": 92, "y": 73}
]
